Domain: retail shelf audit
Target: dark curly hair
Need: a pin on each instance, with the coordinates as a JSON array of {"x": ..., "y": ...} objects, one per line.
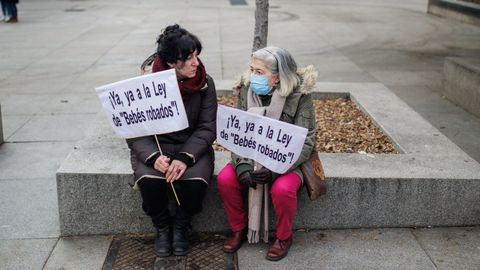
[{"x": 176, "y": 43}]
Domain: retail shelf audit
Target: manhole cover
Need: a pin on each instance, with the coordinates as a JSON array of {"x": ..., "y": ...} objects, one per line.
[{"x": 136, "y": 252}]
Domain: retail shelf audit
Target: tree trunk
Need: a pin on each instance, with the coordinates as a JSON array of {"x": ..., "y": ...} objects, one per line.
[{"x": 261, "y": 25}]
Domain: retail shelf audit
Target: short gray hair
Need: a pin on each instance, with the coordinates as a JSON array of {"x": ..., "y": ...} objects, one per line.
[{"x": 280, "y": 62}]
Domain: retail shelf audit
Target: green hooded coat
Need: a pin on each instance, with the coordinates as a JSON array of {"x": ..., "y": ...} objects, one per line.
[{"x": 298, "y": 110}]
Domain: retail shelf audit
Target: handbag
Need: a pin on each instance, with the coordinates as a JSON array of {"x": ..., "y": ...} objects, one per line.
[{"x": 314, "y": 176}]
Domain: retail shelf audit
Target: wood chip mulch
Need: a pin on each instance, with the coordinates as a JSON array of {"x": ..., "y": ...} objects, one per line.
[{"x": 341, "y": 128}]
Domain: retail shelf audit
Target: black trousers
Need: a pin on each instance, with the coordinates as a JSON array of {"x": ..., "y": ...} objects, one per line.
[{"x": 156, "y": 200}]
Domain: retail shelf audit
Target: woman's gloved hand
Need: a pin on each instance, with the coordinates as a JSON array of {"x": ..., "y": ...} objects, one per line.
[
  {"x": 246, "y": 179},
  {"x": 261, "y": 176}
]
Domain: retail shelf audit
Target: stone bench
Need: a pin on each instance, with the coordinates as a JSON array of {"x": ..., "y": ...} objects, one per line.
[
  {"x": 462, "y": 83},
  {"x": 431, "y": 183}
]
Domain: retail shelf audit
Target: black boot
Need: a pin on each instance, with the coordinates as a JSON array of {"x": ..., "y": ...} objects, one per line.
[
  {"x": 163, "y": 244},
  {"x": 163, "y": 241},
  {"x": 182, "y": 223}
]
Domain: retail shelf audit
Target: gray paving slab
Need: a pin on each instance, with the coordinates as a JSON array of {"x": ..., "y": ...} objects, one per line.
[
  {"x": 32, "y": 210},
  {"x": 1, "y": 127},
  {"x": 107, "y": 73},
  {"x": 5, "y": 74},
  {"x": 102, "y": 136},
  {"x": 32, "y": 160},
  {"x": 341, "y": 76},
  {"x": 388, "y": 59},
  {"x": 453, "y": 121},
  {"x": 68, "y": 103},
  {"x": 55, "y": 127},
  {"x": 349, "y": 249},
  {"x": 87, "y": 82},
  {"x": 451, "y": 248},
  {"x": 424, "y": 99},
  {"x": 79, "y": 253},
  {"x": 403, "y": 78},
  {"x": 328, "y": 62},
  {"x": 52, "y": 82},
  {"x": 25, "y": 254},
  {"x": 11, "y": 123}
]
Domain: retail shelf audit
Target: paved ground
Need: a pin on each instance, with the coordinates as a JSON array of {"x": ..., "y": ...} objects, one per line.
[{"x": 52, "y": 60}]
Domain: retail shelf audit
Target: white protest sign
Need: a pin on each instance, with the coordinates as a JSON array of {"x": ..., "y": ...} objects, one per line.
[
  {"x": 272, "y": 143},
  {"x": 144, "y": 105}
]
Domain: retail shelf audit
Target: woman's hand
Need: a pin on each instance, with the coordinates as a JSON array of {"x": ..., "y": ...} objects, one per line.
[
  {"x": 161, "y": 164},
  {"x": 262, "y": 176},
  {"x": 175, "y": 170},
  {"x": 246, "y": 179}
]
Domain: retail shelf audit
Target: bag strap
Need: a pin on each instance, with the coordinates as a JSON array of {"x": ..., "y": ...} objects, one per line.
[{"x": 146, "y": 66}]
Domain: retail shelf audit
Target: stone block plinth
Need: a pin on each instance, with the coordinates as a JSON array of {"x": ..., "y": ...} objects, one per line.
[
  {"x": 432, "y": 182},
  {"x": 462, "y": 83}
]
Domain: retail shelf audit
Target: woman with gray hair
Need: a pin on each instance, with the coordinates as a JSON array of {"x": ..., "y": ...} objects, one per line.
[{"x": 275, "y": 88}]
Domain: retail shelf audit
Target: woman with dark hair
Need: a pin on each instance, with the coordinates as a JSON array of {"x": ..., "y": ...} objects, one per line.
[
  {"x": 275, "y": 88},
  {"x": 184, "y": 158}
]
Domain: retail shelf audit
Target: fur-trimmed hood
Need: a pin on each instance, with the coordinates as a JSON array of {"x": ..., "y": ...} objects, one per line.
[{"x": 308, "y": 79}]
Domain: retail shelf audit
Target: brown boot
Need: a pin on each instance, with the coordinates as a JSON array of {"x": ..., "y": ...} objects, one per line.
[
  {"x": 13, "y": 19},
  {"x": 279, "y": 249},
  {"x": 235, "y": 241}
]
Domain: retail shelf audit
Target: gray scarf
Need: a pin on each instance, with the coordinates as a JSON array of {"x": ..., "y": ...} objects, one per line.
[{"x": 258, "y": 198}]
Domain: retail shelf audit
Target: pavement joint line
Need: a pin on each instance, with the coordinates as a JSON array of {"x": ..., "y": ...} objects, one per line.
[
  {"x": 411, "y": 230},
  {"x": 13, "y": 133},
  {"x": 58, "y": 113},
  {"x": 28, "y": 179},
  {"x": 50, "y": 253},
  {"x": 49, "y": 54},
  {"x": 31, "y": 238},
  {"x": 53, "y": 113},
  {"x": 50, "y": 76},
  {"x": 107, "y": 51},
  {"x": 111, "y": 255},
  {"x": 220, "y": 37},
  {"x": 356, "y": 4},
  {"x": 46, "y": 141}
]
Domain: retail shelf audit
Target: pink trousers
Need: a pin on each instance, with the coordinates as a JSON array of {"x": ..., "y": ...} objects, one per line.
[{"x": 284, "y": 199}]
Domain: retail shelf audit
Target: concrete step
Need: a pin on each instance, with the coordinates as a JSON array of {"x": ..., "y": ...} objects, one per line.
[
  {"x": 462, "y": 83},
  {"x": 463, "y": 11},
  {"x": 432, "y": 182}
]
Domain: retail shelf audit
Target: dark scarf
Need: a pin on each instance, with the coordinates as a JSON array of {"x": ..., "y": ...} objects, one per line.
[{"x": 187, "y": 86}]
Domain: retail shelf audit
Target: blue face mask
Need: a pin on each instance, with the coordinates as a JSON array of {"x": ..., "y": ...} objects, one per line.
[{"x": 259, "y": 84}]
